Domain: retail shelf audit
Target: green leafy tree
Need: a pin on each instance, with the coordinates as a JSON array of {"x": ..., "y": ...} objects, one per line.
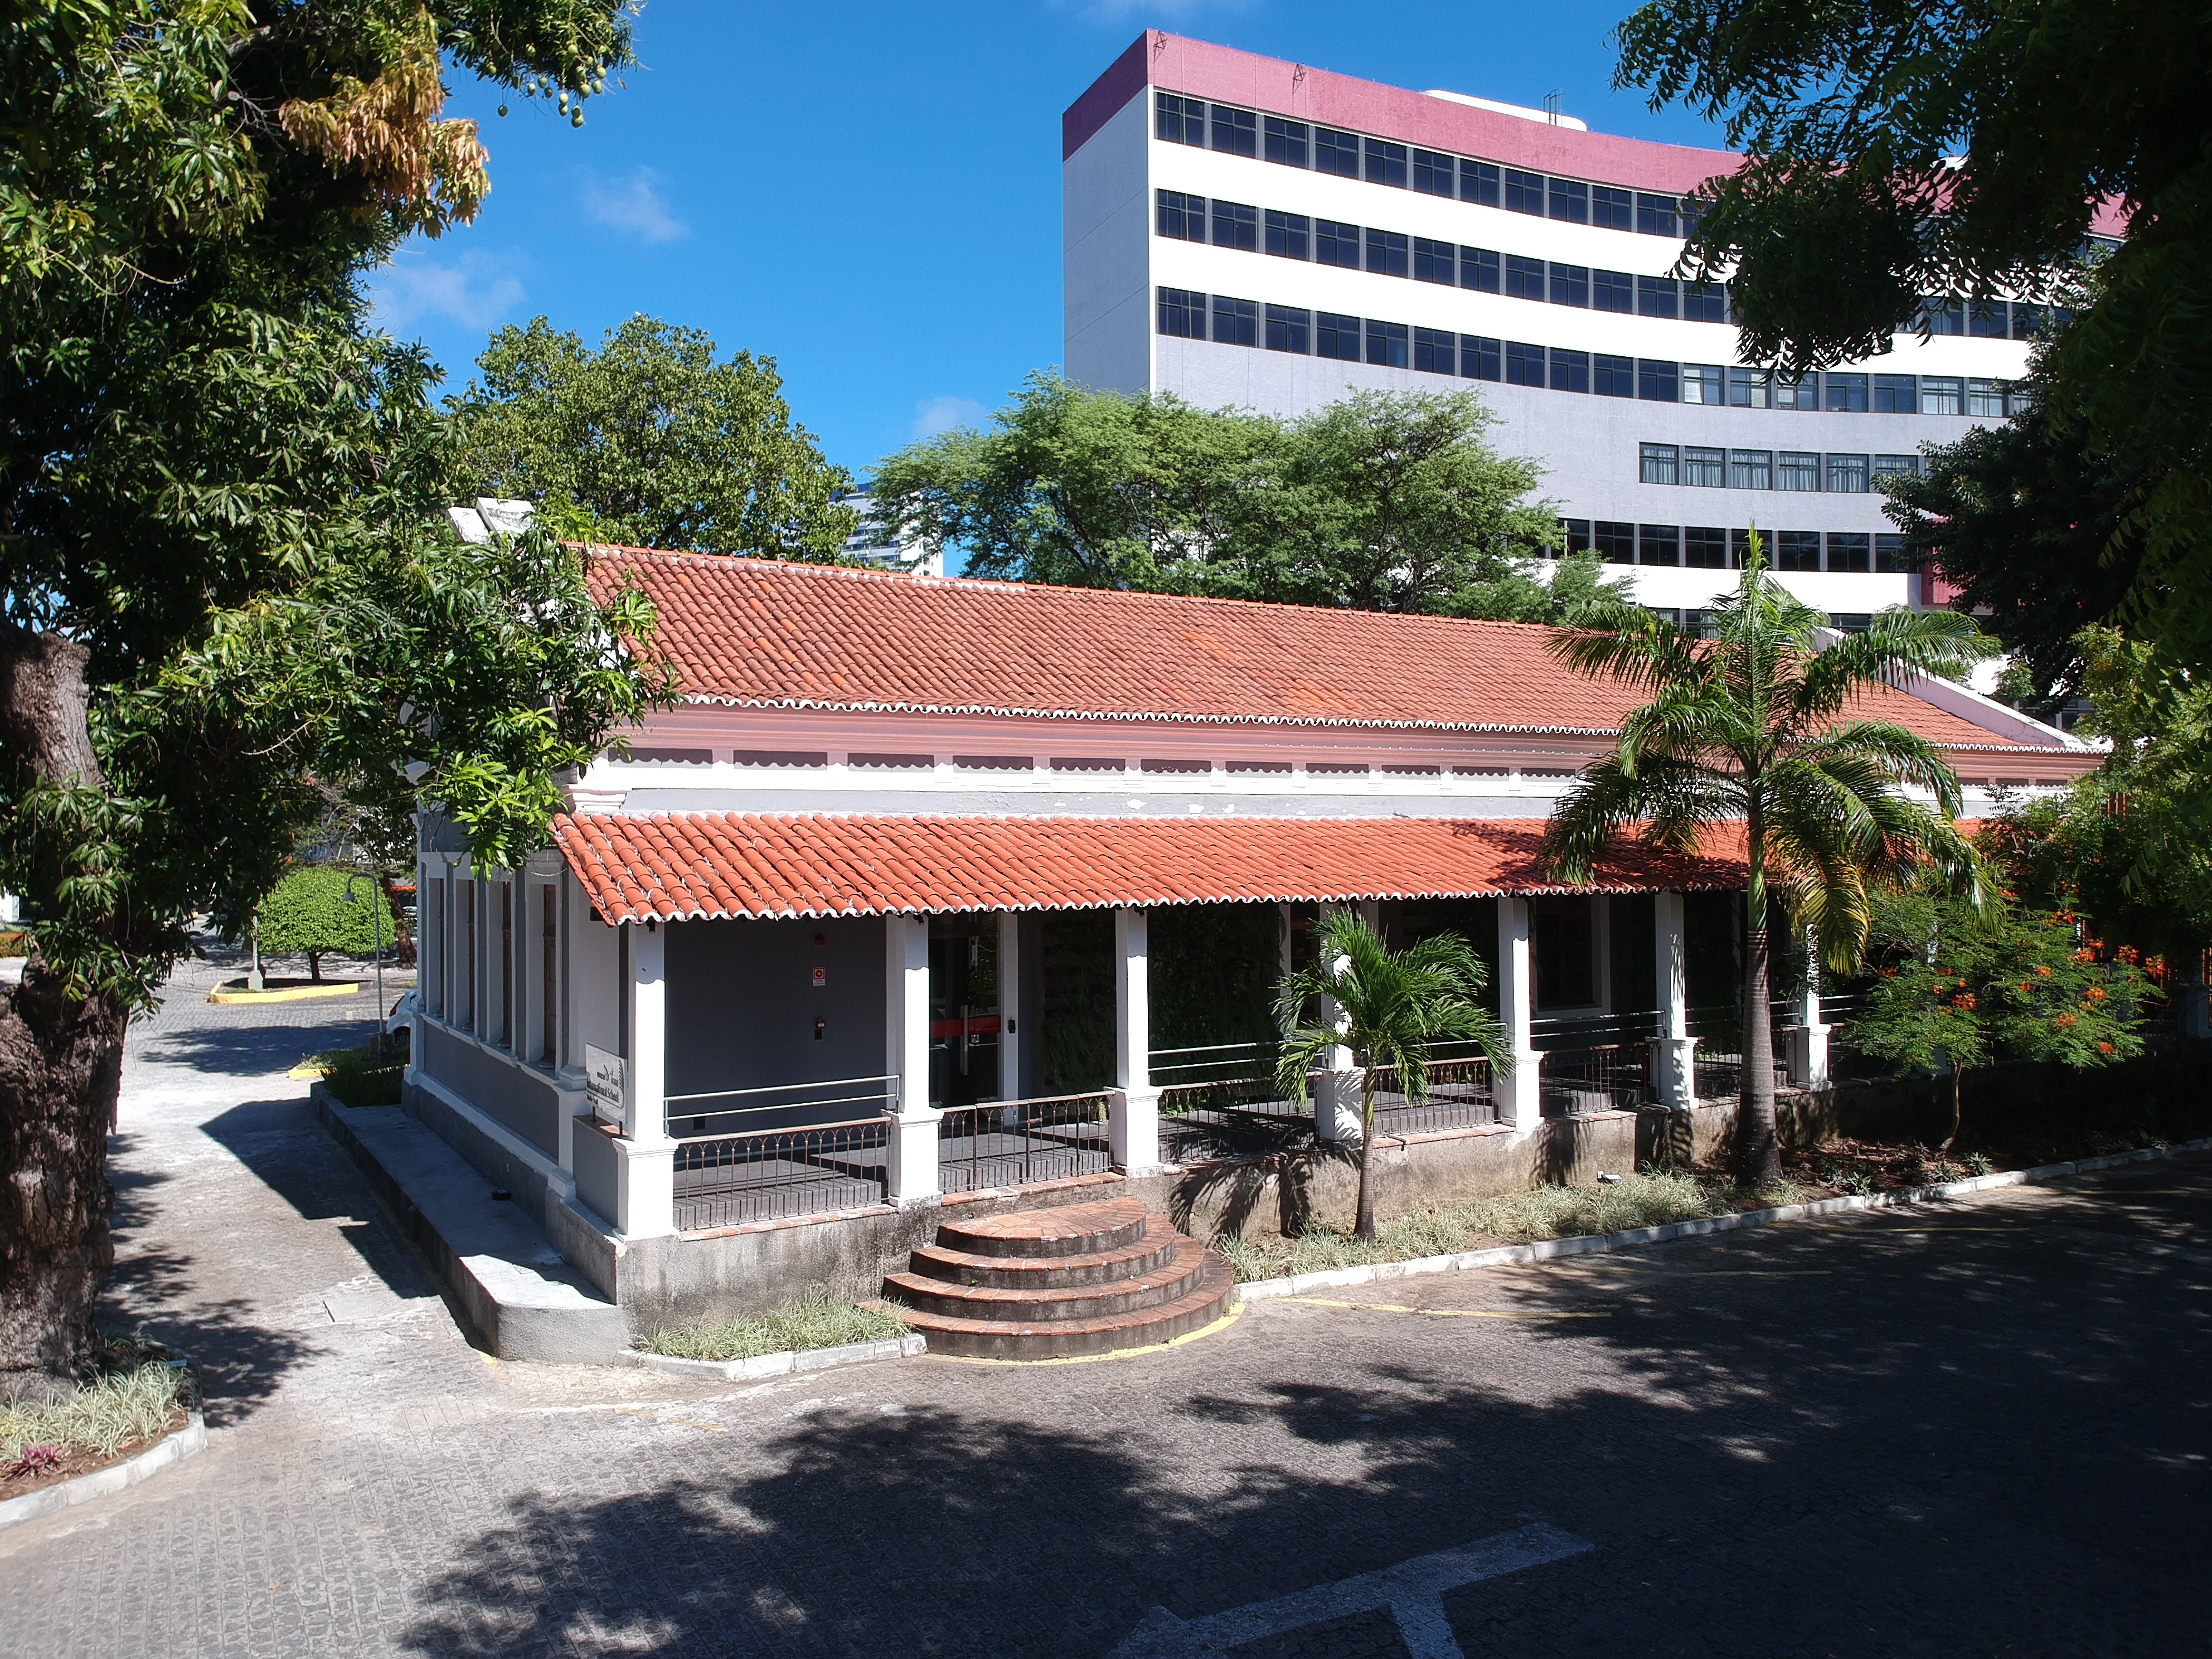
[
  {"x": 650, "y": 441},
  {"x": 309, "y": 913},
  {"x": 1962, "y": 983},
  {"x": 1082, "y": 488},
  {"x": 1755, "y": 728},
  {"x": 1392, "y": 1006},
  {"x": 1395, "y": 501},
  {"x": 2031, "y": 530},
  {"x": 223, "y": 567},
  {"x": 1902, "y": 150},
  {"x": 2130, "y": 847},
  {"x": 1381, "y": 502}
]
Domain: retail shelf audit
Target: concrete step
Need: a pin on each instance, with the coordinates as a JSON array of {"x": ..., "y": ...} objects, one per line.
[
  {"x": 513, "y": 1288},
  {"x": 1043, "y": 1272},
  {"x": 1052, "y": 1339},
  {"x": 1037, "y": 1304},
  {"x": 1073, "y": 1229}
]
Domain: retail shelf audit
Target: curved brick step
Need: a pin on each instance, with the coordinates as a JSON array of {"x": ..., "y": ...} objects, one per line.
[
  {"x": 1044, "y": 1272},
  {"x": 1039, "y": 1304},
  {"x": 1073, "y": 1229},
  {"x": 992, "y": 1338}
]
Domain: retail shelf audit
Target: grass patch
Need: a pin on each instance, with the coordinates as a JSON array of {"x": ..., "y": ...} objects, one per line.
[
  {"x": 1644, "y": 1200},
  {"x": 107, "y": 1413},
  {"x": 349, "y": 1076},
  {"x": 815, "y": 1320}
]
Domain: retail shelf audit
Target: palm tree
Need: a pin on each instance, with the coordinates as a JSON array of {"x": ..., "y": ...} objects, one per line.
[
  {"x": 1754, "y": 726},
  {"x": 1391, "y": 1006}
]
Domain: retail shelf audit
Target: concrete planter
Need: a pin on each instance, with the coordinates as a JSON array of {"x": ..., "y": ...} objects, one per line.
[{"x": 186, "y": 1442}]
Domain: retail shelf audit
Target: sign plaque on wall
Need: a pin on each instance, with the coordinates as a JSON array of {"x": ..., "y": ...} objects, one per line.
[{"x": 603, "y": 1084}]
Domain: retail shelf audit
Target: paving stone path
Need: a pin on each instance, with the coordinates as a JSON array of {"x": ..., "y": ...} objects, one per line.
[{"x": 1978, "y": 1429}]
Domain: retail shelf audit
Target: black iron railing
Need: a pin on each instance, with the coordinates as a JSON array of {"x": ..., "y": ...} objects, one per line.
[
  {"x": 1607, "y": 1077},
  {"x": 1461, "y": 1094},
  {"x": 1019, "y": 1143},
  {"x": 782, "y": 1150}
]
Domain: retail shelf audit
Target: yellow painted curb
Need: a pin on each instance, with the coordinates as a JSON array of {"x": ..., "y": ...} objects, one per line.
[
  {"x": 1236, "y": 1312},
  {"x": 289, "y": 993}
]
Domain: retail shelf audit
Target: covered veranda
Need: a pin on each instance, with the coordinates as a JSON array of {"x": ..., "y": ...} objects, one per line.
[{"x": 1061, "y": 997}]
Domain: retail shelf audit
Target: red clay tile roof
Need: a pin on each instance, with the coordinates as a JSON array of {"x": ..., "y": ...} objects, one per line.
[
  {"x": 765, "y": 633},
  {"x": 706, "y": 864}
]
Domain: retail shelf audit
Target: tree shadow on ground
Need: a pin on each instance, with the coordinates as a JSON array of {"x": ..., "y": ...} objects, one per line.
[
  {"x": 252, "y": 1050},
  {"x": 168, "y": 1291},
  {"x": 1941, "y": 1452}
]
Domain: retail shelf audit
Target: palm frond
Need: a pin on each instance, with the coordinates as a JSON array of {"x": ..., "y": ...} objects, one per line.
[{"x": 1898, "y": 648}]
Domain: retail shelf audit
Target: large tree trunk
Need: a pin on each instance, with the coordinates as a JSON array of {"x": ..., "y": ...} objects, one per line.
[
  {"x": 1757, "y": 1153},
  {"x": 61, "y": 1059},
  {"x": 61, "y": 1065}
]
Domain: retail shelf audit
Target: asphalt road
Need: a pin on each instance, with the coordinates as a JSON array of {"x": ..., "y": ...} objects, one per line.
[{"x": 1979, "y": 1428}]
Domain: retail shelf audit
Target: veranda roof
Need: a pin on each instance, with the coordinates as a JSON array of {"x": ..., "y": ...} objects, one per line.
[{"x": 677, "y": 866}]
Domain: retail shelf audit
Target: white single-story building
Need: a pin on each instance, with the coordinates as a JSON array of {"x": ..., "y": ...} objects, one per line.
[{"x": 930, "y": 886}]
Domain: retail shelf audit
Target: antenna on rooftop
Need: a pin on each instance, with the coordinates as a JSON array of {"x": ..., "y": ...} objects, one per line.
[{"x": 1552, "y": 101}]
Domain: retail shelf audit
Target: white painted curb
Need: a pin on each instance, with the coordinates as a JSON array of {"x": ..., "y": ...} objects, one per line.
[
  {"x": 1262, "y": 1290},
  {"x": 102, "y": 1483},
  {"x": 780, "y": 1364}
]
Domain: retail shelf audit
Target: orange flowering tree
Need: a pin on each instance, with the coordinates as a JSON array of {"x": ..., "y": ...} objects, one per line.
[{"x": 1962, "y": 988}]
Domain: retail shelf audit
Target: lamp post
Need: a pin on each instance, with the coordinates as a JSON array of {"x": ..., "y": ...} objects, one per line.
[{"x": 377, "y": 921}]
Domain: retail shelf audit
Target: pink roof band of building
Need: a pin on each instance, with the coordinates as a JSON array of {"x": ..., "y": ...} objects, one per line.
[{"x": 1174, "y": 64}]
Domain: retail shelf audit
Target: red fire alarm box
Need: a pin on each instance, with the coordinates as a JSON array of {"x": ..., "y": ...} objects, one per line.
[{"x": 820, "y": 977}]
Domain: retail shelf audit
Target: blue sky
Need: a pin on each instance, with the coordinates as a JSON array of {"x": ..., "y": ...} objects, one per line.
[{"x": 870, "y": 194}]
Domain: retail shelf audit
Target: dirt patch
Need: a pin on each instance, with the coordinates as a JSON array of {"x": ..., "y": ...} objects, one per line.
[{"x": 1844, "y": 1166}]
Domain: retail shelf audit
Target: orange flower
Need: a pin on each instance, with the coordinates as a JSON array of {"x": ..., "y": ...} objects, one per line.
[
  {"x": 2096, "y": 993},
  {"x": 1966, "y": 1000},
  {"x": 2023, "y": 987},
  {"x": 2043, "y": 970},
  {"x": 2105, "y": 1048},
  {"x": 2064, "y": 1020}
]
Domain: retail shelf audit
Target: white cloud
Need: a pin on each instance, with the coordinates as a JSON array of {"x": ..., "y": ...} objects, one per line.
[
  {"x": 475, "y": 290},
  {"x": 936, "y": 415},
  {"x": 632, "y": 204}
]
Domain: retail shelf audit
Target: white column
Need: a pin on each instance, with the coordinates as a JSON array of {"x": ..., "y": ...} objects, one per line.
[
  {"x": 1672, "y": 1051},
  {"x": 648, "y": 1155},
  {"x": 1133, "y": 1111},
  {"x": 1337, "y": 1089},
  {"x": 911, "y": 1178},
  {"x": 1807, "y": 1041},
  {"x": 1519, "y": 1093},
  {"x": 1010, "y": 1005}
]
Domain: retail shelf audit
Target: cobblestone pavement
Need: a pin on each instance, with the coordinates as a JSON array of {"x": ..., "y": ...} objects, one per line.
[{"x": 1981, "y": 1428}]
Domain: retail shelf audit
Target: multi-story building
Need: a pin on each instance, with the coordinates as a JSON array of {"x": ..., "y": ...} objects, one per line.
[
  {"x": 866, "y": 544},
  {"x": 1244, "y": 231}
]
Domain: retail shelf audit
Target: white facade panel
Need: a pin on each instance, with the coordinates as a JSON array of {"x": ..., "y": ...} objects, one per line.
[{"x": 1105, "y": 230}]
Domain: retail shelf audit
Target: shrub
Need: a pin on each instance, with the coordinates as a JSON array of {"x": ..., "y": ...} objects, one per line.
[
  {"x": 104, "y": 1416},
  {"x": 356, "y": 1080},
  {"x": 306, "y": 914},
  {"x": 1644, "y": 1200},
  {"x": 815, "y": 1320}
]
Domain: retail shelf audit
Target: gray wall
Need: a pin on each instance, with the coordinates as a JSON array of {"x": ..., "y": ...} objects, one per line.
[
  {"x": 526, "y": 1101},
  {"x": 742, "y": 1003},
  {"x": 598, "y": 1171}
]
